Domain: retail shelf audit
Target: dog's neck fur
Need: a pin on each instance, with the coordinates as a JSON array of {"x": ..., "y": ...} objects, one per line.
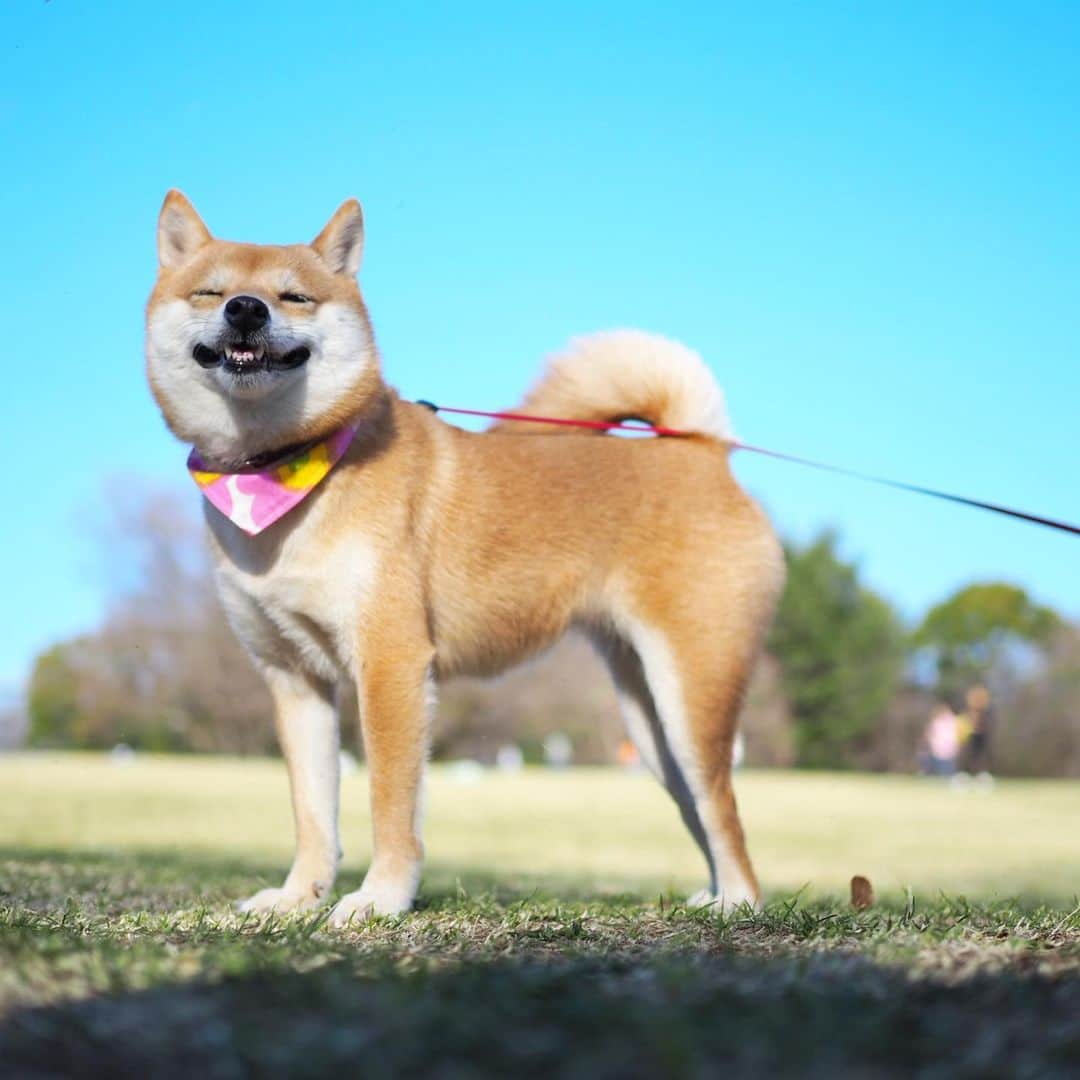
[{"x": 256, "y": 447}]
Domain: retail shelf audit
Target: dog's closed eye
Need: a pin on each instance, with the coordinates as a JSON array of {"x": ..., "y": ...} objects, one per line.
[{"x": 295, "y": 298}]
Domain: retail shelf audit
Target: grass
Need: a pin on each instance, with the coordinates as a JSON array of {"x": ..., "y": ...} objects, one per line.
[{"x": 549, "y": 940}]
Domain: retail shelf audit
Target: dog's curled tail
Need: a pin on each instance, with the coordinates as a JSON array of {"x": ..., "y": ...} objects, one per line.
[{"x": 623, "y": 374}]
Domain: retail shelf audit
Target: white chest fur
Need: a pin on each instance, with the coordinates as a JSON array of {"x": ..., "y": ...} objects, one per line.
[{"x": 294, "y": 600}]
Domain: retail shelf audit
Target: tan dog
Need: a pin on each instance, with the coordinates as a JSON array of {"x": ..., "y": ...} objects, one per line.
[{"x": 430, "y": 551}]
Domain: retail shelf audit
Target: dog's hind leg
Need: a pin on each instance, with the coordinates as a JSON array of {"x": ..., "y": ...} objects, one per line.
[
  {"x": 643, "y": 725},
  {"x": 307, "y": 727},
  {"x": 695, "y": 649},
  {"x": 697, "y": 705}
]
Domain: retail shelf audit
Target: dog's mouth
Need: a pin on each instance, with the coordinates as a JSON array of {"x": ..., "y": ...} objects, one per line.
[{"x": 242, "y": 358}]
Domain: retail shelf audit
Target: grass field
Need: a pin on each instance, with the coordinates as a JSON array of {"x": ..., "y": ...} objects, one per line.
[{"x": 549, "y": 939}]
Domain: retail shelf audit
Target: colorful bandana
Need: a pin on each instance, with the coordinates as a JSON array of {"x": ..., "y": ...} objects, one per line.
[{"x": 256, "y": 499}]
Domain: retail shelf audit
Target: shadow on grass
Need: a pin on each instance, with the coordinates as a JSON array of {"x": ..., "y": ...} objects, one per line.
[{"x": 679, "y": 1015}]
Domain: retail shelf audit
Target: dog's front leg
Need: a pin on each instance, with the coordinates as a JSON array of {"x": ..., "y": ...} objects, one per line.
[
  {"x": 307, "y": 727},
  {"x": 393, "y": 695}
]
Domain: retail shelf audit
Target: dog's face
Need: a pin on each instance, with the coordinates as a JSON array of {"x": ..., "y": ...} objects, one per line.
[{"x": 250, "y": 347}]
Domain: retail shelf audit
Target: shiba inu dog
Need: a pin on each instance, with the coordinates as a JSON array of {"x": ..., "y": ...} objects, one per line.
[{"x": 416, "y": 551}]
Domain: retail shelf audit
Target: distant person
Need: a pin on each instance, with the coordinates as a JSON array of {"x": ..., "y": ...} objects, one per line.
[
  {"x": 975, "y": 753},
  {"x": 942, "y": 738}
]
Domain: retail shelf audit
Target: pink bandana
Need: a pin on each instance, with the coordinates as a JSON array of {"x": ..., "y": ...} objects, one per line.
[{"x": 256, "y": 499}]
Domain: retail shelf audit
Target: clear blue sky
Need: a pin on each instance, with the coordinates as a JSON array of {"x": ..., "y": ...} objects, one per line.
[{"x": 865, "y": 216}]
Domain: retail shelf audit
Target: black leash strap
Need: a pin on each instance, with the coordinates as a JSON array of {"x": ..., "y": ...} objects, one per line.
[{"x": 900, "y": 485}]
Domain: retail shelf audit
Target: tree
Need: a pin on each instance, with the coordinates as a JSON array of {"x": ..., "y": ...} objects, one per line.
[
  {"x": 841, "y": 652},
  {"x": 1039, "y": 735},
  {"x": 164, "y": 671},
  {"x": 980, "y": 630},
  {"x": 53, "y": 698}
]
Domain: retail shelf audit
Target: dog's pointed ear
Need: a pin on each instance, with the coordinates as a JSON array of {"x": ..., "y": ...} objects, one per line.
[
  {"x": 181, "y": 231},
  {"x": 341, "y": 243}
]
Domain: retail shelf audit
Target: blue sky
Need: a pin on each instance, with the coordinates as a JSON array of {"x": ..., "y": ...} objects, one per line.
[{"x": 865, "y": 216}]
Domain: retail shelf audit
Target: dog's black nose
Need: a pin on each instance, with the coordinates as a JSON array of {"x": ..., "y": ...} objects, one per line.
[{"x": 246, "y": 314}]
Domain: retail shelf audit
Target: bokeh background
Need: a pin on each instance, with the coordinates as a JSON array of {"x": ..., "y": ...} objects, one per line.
[{"x": 864, "y": 217}]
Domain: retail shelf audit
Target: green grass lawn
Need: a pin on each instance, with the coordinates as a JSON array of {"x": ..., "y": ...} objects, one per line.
[{"x": 549, "y": 938}]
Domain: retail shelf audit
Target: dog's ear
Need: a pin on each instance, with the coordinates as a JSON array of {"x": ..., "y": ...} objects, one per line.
[
  {"x": 340, "y": 244},
  {"x": 181, "y": 231}
]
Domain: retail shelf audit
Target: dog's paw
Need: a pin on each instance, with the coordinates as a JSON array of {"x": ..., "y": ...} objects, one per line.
[
  {"x": 702, "y": 898},
  {"x": 374, "y": 898},
  {"x": 724, "y": 904},
  {"x": 280, "y": 901}
]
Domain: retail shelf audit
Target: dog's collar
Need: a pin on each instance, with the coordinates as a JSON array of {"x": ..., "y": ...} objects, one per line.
[{"x": 263, "y": 489}]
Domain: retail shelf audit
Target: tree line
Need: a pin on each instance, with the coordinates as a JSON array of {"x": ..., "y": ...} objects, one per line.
[{"x": 844, "y": 683}]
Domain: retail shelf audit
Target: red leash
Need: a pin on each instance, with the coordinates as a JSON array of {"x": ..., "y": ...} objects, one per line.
[
  {"x": 602, "y": 425},
  {"x": 594, "y": 425}
]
